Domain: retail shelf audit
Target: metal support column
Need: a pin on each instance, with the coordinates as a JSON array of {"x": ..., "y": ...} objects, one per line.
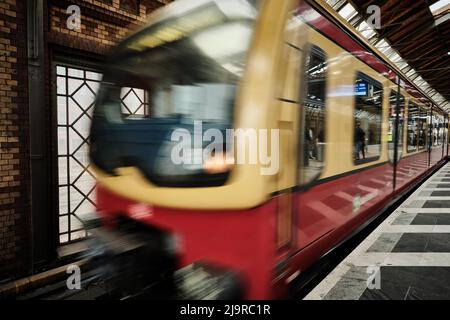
[
  {"x": 430, "y": 135},
  {"x": 41, "y": 233},
  {"x": 397, "y": 122}
]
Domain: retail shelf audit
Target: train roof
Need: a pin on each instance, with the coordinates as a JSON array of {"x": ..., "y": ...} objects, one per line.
[
  {"x": 330, "y": 13},
  {"x": 181, "y": 18}
]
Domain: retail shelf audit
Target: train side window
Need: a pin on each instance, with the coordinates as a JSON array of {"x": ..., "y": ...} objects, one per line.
[
  {"x": 440, "y": 131},
  {"x": 368, "y": 111},
  {"x": 314, "y": 114},
  {"x": 437, "y": 130},
  {"x": 423, "y": 132},
  {"x": 413, "y": 127},
  {"x": 392, "y": 118}
]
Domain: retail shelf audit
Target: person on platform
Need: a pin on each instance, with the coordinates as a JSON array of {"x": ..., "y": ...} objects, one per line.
[{"x": 360, "y": 142}]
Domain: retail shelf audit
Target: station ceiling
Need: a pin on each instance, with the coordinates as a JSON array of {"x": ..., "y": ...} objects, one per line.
[{"x": 415, "y": 34}]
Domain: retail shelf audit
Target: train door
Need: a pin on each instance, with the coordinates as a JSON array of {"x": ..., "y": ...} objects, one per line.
[
  {"x": 311, "y": 220},
  {"x": 288, "y": 124},
  {"x": 436, "y": 138},
  {"x": 446, "y": 136},
  {"x": 302, "y": 101},
  {"x": 425, "y": 116},
  {"x": 409, "y": 166},
  {"x": 312, "y": 223}
]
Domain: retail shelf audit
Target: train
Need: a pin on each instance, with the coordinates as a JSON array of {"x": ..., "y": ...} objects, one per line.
[{"x": 353, "y": 135}]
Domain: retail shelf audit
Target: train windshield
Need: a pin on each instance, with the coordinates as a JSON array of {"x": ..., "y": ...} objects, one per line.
[
  {"x": 188, "y": 65},
  {"x": 183, "y": 70}
]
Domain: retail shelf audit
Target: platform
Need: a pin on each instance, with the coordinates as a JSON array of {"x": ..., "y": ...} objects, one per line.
[{"x": 406, "y": 257}]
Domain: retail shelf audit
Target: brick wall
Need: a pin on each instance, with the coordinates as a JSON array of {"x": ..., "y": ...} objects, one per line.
[
  {"x": 103, "y": 24},
  {"x": 14, "y": 164}
]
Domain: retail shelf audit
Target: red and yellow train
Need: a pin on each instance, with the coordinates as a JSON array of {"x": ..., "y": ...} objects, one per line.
[{"x": 354, "y": 135}]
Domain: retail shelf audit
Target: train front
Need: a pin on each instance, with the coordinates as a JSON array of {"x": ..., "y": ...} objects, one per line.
[{"x": 180, "y": 218}]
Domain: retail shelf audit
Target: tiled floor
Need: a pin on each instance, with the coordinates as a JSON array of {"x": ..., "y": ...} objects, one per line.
[{"x": 406, "y": 257}]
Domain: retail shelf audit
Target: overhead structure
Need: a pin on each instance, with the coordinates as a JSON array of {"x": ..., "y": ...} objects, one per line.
[{"x": 414, "y": 35}]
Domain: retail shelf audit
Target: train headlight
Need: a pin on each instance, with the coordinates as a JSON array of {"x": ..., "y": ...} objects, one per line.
[{"x": 218, "y": 163}]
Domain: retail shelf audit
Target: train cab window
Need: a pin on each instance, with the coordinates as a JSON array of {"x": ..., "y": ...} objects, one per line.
[
  {"x": 393, "y": 134},
  {"x": 413, "y": 127},
  {"x": 368, "y": 110},
  {"x": 423, "y": 132},
  {"x": 314, "y": 115}
]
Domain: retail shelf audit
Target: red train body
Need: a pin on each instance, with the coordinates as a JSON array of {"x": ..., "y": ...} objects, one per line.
[{"x": 324, "y": 213}]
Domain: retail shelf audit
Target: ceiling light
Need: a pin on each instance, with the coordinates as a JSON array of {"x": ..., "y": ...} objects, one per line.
[{"x": 438, "y": 5}]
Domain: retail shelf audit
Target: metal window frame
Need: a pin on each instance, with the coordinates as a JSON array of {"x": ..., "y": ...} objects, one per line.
[{"x": 85, "y": 65}]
